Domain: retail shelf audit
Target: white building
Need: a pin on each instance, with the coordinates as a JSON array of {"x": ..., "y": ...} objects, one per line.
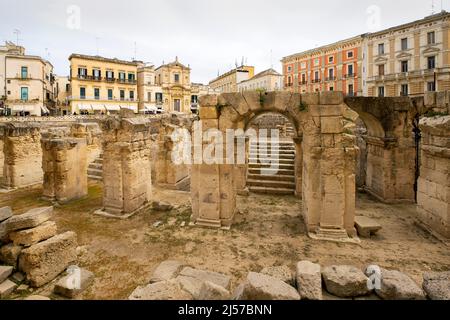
[{"x": 268, "y": 80}]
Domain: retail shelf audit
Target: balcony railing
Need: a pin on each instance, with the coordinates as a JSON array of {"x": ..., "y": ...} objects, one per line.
[
  {"x": 316, "y": 80},
  {"x": 109, "y": 80},
  {"x": 126, "y": 81},
  {"x": 330, "y": 79},
  {"x": 303, "y": 82},
  {"x": 104, "y": 99},
  {"x": 349, "y": 75},
  {"x": 23, "y": 76}
]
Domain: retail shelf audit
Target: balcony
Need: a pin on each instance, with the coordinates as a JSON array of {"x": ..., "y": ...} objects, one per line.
[
  {"x": 349, "y": 76},
  {"x": 126, "y": 81},
  {"x": 316, "y": 80},
  {"x": 88, "y": 78},
  {"x": 20, "y": 76},
  {"x": 302, "y": 83},
  {"x": 330, "y": 79},
  {"x": 98, "y": 98}
]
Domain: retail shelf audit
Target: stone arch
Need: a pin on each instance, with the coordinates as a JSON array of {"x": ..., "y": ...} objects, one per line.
[{"x": 328, "y": 165}]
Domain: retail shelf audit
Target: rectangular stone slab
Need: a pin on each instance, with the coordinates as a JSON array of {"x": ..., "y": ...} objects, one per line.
[
  {"x": 5, "y": 272},
  {"x": 68, "y": 286},
  {"x": 6, "y": 288},
  {"x": 44, "y": 261},
  {"x": 32, "y": 236},
  {"x": 366, "y": 226},
  {"x": 31, "y": 219}
]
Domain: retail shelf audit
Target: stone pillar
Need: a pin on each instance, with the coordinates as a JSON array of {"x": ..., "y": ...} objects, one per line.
[
  {"x": 65, "y": 168},
  {"x": 22, "y": 156},
  {"x": 213, "y": 190},
  {"x": 92, "y": 133},
  {"x": 126, "y": 167},
  {"x": 298, "y": 166},
  {"x": 433, "y": 197},
  {"x": 329, "y": 172},
  {"x": 170, "y": 175}
]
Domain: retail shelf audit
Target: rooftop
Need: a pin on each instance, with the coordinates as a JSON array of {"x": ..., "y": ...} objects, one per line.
[
  {"x": 103, "y": 59},
  {"x": 238, "y": 69}
]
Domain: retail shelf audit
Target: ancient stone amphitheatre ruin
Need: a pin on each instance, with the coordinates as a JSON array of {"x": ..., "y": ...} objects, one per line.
[{"x": 358, "y": 206}]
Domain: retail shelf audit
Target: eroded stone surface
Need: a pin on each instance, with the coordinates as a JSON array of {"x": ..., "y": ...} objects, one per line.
[
  {"x": 345, "y": 281},
  {"x": 263, "y": 287},
  {"x": 166, "y": 270},
  {"x": 69, "y": 286},
  {"x": 283, "y": 273},
  {"x": 437, "y": 285},
  {"x": 32, "y": 236},
  {"x": 396, "y": 285},
  {"x": 309, "y": 280},
  {"x": 163, "y": 290},
  {"x": 31, "y": 219}
]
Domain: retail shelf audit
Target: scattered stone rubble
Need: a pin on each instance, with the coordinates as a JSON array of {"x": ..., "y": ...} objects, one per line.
[
  {"x": 34, "y": 254},
  {"x": 174, "y": 280}
]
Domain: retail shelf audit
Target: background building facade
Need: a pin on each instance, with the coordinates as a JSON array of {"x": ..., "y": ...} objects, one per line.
[
  {"x": 267, "y": 80},
  {"x": 102, "y": 85},
  {"x": 228, "y": 82},
  {"x": 150, "y": 94}
]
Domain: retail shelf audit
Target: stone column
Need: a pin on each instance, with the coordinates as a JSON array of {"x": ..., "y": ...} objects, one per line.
[
  {"x": 65, "y": 168},
  {"x": 329, "y": 172},
  {"x": 126, "y": 167},
  {"x": 92, "y": 133},
  {"x": 298, "y": 166},
  {"x": 433, "y": 197},
  {"x": 22, "y": 155},
  {"x": 213, "y": 190}
]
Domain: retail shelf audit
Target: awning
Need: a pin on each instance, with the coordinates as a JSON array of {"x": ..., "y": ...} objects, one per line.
[
  {"x": 21, "y": 107},
  {"x": 134, "y": 108},
  {"x": 84, "y": 107},
  {"x": 98, "y": 107},
  {"x": 111, "y": 107},
  {"x": 44, "y": 109},
  {"x": 149, "y": 107}
]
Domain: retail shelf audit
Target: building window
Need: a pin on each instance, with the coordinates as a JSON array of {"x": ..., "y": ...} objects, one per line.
[
  {"x": 431, "y": 86},
  {"x": 303, "y": 78},
  {"x": 24, "y": 72},
  {"x": 350, "y": 69},
  {"x": 176, "y": 78},
  {"x": 349, "y": 54},
  {"x": 350, "y": 90},
  {"x": 404, "y": 44},
  {"x": 331, "y": 74},
  {"x": 97, "y": 74},
  {"x": 431, "y": 62},
  {"x": 149, "y": 97},
  {"x": 131, "y": 77},
  {"x": 109, "y": 75},
  {"x": 316, "y": 62},
  {"x": 110, "y": 94},
  {"x": 303, "y": 65},
  {"x": 381, "y": 91},
  {"x": 330, "y": 59},
  {"x": 82, "y": 73},
  {"x": 331, "y": 89},
  {"x": 289, "y": 68},
  {"x": 194, "y": 99},
  {"x": 82, "y": 93},
  {"x": 289, "y": 81},
  {"x": 122, "y": 95},
  {"x": 132, "y": 95},
  {"x": 404, "y": 90},
  {"x": 24, "y": 93},
  {"x": 122, "y": 76},
  {"x": 159, "y": 97},
  {"x": 404, "y": 66},
  {"x": 431, "y": 37},
  {"x": 67, "y": 87},
  {"x": 96, "y": 93},
  {"x": 316, "y": 75},
  {"x": 381, "y": 48},
  {"x": 381, "y": 70},
  {"x": 177, "y": 105}
]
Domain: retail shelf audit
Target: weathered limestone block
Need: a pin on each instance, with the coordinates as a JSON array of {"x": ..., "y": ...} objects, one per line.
[
  {"x": 70, "y": 286},
  {"x": 37, "y": 298},
  {"x": 32, "y": 236},
  {"x": 22, "y": 155},
  {"x": 212, "y": 291},
  {"x": 5, "y": 272},
  {"x": 366, "y": 226},
  {"x": 345, "y": 281},
  {"x": 6, "y": 288},
  {"x": 5, "y": 213},
  {"x": 167, "y": 270},
  {"x": 65, "y": 168},
  {"x": 437, "y": 285},
  {"x": 92, "y": 134},
  {"x": 433, "y": 196},
  {"x": 283, "y": 273},
  {"x": 398, "y": 286},
  {"x": 42, "y": 262},
  {"x": 9, "y": 254},
  {"x": 204, "y": 275},
  {"x": 30, "y": 219},
  {"x": 163, "y": 290},
  {"x": 263, "y": 287},
  {"x": 309, "y": 280}
]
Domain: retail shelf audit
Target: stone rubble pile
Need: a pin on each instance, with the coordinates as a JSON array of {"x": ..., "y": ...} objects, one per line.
[
  {"x": 32, "y": 251},
  {"x": 174, "y": 280}
]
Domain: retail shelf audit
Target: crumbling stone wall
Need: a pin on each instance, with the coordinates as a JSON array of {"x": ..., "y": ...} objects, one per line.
[
  {"x": 65, "y": 168},
  {"x": 270, "y": 121},
  {"x": 22, "y": 155},
  {"x": 168, "y": 174},
  {"x": 433, "y": 198},
  {"x": 92, "y": 133}
]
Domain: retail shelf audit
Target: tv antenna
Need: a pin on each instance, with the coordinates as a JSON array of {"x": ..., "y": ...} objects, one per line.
[{"x": 17, "y": 33}]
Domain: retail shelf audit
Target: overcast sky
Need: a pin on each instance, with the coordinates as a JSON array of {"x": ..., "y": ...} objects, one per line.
[{"x": 208, "y": 35}]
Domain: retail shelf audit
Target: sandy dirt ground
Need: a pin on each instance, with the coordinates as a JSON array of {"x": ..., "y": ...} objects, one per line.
[{"x": 268, "y": 231}]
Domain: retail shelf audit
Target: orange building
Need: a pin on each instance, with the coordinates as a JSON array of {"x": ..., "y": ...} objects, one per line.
[{"x": 335, "y": 67}]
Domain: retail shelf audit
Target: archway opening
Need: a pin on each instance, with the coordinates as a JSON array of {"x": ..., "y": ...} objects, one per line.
[{"x": 272, "y": 160}]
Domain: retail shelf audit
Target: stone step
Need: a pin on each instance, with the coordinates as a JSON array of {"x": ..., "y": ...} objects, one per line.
[
  {"x": 270, "y": 172},
  {"x": 280, "y": 166},
  {"x": 275, "y": 177},
  {"x": 264, "y": 155},
  {"x": 95, "y": 178},
  {"x": 271, "y": 184},
  {"x": 95, "y": 172},
  {"x": 97, "y": 166},
  {"x": 254, "y": 153},
  {"x": 268, "y": 190},
  {"x": 98, "y": 161},
  {"x": 271, "y": 147},
  {"x": 267, "y": 160}
]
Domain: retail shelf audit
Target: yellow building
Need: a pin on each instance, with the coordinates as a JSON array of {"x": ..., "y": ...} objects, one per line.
[
  {"x": 102, "y": 85},
  {"x": 149, "y": 93},
  {"x": 62, "y": 93},
  {"x": 228, "y": 82},
  {"x": 175, "y": 80},
  {"x": 410, "y": 59}
]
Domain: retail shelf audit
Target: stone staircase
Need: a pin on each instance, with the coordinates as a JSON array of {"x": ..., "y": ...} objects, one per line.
[
  {"x": 262, "y": 179},
  {"x": 95, "y": 169}
]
